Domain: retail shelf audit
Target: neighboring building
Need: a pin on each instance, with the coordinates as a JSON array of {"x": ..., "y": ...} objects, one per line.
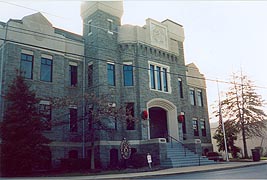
[
  {"x": 252, "y": 143},
  {"x": 141, "y": 67}
]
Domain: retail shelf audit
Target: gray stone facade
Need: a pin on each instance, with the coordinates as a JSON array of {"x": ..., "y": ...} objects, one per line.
[{"x": 98, "y": 46}]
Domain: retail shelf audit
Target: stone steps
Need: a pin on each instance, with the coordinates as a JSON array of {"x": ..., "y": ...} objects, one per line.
[{"x": 176, "y": 157}]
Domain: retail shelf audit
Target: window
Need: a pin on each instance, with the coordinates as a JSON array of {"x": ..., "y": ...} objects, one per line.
[
  {"x": 159, "y": 77},
  {"x": 90, "y": 75},
  {"x": 128, "y": 75},
  {"x": 192, "y": 97},
  {"x": 45, "y": 113},
  {"x": 26, "y": 65},
  {"x": 73, "y": 120},
  {"x": 111, "y": 74},
  {"x": 203, "y": 127},
  {"x": 195, "y": 127},
  {"x": 130, "y": 116},
  {"x": 165, "y": 82},
  {"x": 180, "y": 88},
  {"x": 90, "y": 27},
  {"x": 184, "y": 126},
  {"x": 199, "y": 98},
  {"x": 110, "y": 24},
  {"x": 73, "y": 75},
  {"x": 46, "y": 69},
  {"x": 152, "y": 77}
]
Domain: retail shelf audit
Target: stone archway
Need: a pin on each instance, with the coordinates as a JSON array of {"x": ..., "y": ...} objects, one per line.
[{"x": 170, "y": 117}]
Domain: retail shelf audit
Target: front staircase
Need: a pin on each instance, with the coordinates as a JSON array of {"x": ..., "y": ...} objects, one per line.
[{"x": 180, "y": 156}]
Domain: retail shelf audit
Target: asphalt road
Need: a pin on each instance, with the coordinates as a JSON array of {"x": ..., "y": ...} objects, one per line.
[{"x": 253, "y": 172}]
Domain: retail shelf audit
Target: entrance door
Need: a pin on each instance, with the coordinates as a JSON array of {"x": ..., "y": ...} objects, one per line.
[{"x": 158, "y": 122}]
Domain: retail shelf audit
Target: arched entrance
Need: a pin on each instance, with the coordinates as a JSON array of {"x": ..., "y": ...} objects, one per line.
[
  {"x": 158, "y": 122},
  {"x": 162, "y": 119}
]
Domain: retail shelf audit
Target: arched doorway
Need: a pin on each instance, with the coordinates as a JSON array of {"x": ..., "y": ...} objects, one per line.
[
  {"x": 158, "y": 122},
  {"x": 163, "y": 113}
]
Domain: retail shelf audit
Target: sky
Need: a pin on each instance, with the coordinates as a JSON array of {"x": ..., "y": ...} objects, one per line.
[{"x": 221, "y": 37}]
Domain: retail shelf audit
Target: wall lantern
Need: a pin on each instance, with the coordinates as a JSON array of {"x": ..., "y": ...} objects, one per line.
[{"x": 144, "y": 115}]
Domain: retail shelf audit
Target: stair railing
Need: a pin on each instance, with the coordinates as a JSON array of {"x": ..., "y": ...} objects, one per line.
[
  {"x": 174, "y": 139},
  {"x": 184, "y": 146}
]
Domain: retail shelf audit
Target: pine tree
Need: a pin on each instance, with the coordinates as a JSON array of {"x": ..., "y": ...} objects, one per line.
[
  {"x": 242, "y": 106},
  {"x": 23, "y": 144}
]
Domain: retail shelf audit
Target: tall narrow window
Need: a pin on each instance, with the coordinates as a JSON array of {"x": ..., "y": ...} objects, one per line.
[
  {"x": 73, "y": 75},
  {"x": 46, "y": 115},
  {"x": 26, "y": 65},
  {"x": 111, "y": 74},
  {"x": 128, "y": 75},
  {"x": 46, "y": 69},
  {"x": 73, "y": 120},
  {"x": 180, "y": 88},
  {"x": 199, "y": 98},
  {"x": 152, "y": 77},
  {"x": 130, "y": 116},
  {"x": 110, "y": 24},
  {"x": 90, "y": 75},
  {"x": 203, "y": 127},
  {"x": 165, "y": 81},
  {"x": 195, "y": 127},
  {"x": 192, "y": 97},
  {"x": 184, "y": 125},
  {"x": 159, "y": 78},
  {"x": 90, "y": 27}
]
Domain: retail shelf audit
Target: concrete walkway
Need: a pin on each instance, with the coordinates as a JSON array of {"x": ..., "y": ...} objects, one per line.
[{"x": 217, "y": 166}]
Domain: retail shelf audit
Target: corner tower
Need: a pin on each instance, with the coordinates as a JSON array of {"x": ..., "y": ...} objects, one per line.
[{"x": 101, "y": 20}]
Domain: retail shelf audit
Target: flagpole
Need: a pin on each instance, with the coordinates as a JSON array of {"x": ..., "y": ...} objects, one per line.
[{"x": 221, "y": 119}]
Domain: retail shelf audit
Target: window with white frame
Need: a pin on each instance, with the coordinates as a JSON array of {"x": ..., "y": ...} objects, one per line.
[
  {"x": 159, "y": 77},
  {"x": 195, "y": 127},
  {"x": 110, "y": 26},
  {"x": 192, "y": 96},
  {"x": 73, "y": 73},
  {"x": 89, "y": 27},
  {"x": 199, "y": 97}
]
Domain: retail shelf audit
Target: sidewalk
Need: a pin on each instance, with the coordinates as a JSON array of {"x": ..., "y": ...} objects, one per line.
[{"x": 180, "y": 170}]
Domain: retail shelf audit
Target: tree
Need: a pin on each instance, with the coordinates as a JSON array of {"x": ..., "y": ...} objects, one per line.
[
  {"x": 100, "y": 114},
  {"x": 23, "y": 144},
  {"x": 231, "y": 136},
  {"x": 242, "y": 106}
]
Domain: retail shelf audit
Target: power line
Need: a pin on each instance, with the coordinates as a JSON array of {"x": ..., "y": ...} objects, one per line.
[{"x": 144, "y": 68}]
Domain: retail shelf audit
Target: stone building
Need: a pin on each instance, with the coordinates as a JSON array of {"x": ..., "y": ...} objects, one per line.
[{"x": 141, "y": 67}]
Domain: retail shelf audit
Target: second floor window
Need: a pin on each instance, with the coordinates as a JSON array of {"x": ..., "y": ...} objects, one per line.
[
  {"x": 73, "y": 75},
  {"x": 199, "y": 98},
  {"x": 159, "y": 77},
  {"x": 192, "y": 97},
  {"x": 180, "y": 88},
  {"x": 111, "y": 74},
  {"x": 46, "y": 69},
  {"x": 128, "y": 75},
  {"x": 26, "y": 65}
]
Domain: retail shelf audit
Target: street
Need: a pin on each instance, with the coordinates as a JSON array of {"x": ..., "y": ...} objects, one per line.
[{"x": 253, "y": 172}]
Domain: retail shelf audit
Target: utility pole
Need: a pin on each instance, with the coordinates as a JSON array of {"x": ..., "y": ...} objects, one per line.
[{"x": 221, "y": 121}]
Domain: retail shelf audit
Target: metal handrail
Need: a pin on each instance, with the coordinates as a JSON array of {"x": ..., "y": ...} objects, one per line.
[{"x": 172, "y": 138}]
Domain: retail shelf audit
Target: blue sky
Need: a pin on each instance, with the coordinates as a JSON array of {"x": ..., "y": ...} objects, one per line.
[{"x": 221, "y": 37}]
